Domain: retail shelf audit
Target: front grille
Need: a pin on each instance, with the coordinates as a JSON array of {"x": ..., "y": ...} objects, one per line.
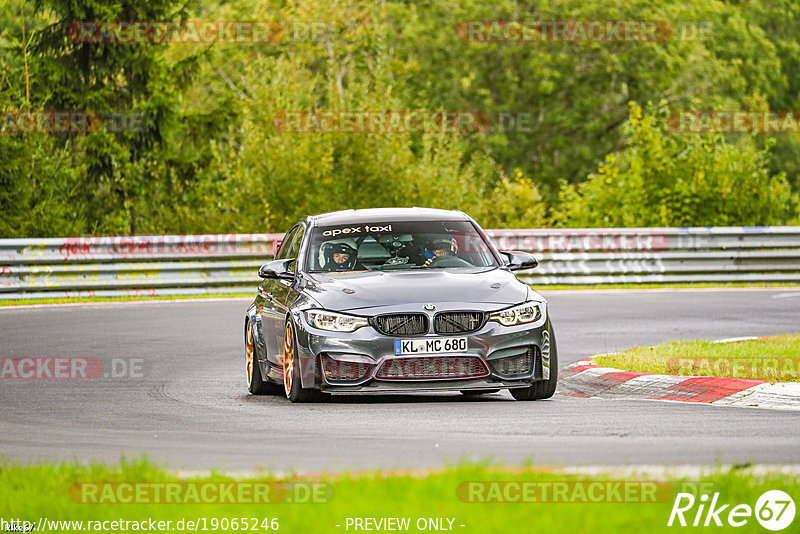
[
  {"x": 458, "y": 322},
  {"x": 520, "y": 364},
  {"x": 401, "y": 324},
  {"x": 433, "y": 368}
]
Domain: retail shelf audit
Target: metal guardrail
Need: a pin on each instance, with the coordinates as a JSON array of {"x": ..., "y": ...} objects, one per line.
[
  {"x": 660, "y": 255},
  {"x": 130, "y": 266},
  {"x": 203, "y": 264}
]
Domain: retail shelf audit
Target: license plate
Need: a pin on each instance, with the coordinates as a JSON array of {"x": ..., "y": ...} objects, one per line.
[{"x": 441, "y": 345}]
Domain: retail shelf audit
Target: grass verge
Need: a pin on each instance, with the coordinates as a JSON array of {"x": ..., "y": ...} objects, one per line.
[
  {"x": 774, "y": 359},
  {"x": 83, "y": 300},
  {"x": 452, "y": 496}
]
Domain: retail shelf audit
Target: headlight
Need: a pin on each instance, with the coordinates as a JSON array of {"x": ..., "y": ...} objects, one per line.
[
  {"x": 336, "y": 322},
  {"x": 527, "y": 312}
]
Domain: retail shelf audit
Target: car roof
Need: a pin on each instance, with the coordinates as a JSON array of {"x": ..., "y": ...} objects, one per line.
[{"x": 386, "y": 214}]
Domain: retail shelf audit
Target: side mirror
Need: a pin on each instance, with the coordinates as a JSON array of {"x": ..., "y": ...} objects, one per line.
[
  {"x": 519, "y": 261},
  {"x": 276, "y": 269}
]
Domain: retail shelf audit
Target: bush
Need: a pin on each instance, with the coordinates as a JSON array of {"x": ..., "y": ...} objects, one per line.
[{"x": 665, "y": 179}]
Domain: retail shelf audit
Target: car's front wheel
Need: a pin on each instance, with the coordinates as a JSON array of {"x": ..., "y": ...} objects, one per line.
[
  {"x": 542, "y": 389},
  {"x": 293, "y": 387}
]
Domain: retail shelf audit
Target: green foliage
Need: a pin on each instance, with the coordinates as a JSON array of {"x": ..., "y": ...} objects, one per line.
[
  {"x": 626, "y": 505},
  {"x": 515, "y": 203},
  {"x": 665, "y": 179},
  {"x": 73, "y": 183},
  {"x": 210, "y": 159},
  {"x": 577, "y": 93}
]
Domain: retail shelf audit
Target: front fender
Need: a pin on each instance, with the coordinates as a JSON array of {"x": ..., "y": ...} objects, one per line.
[{"x": 309, "y": 374}]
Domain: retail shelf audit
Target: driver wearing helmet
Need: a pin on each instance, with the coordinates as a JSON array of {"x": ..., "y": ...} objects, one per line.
[
  {"x": 341, "y": 257},
  {"x": 437, "y": 248}
]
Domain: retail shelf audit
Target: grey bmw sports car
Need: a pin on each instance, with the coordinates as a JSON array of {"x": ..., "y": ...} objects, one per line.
[{"x": 397, "y": 300}]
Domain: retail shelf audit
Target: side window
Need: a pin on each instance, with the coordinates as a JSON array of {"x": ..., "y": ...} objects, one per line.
[
  {"x": 294, "y": 250},
  {"x": 286, "y": 244}
]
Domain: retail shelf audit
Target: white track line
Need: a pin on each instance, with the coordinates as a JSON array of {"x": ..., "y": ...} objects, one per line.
[
  {"x": 786, "y": 295},
  {"x": 658, "y": 472},
  {"x": 543, "y": 289},
  {"x": 124, "y": 303}
]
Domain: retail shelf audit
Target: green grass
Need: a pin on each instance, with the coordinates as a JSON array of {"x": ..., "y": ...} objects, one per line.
[
  {"x": 24, "y": 302},
  {"x": 43, "y": 491},
  {"x": 775, "y": 359}
]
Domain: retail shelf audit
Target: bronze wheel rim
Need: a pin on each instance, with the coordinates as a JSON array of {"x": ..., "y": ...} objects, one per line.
[
  {"x": 288, "y": 360},
  {"x": 248, "y": 353}
]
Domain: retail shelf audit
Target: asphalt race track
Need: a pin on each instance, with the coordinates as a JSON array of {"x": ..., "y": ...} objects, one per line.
[{"x": 191, "y": 409}]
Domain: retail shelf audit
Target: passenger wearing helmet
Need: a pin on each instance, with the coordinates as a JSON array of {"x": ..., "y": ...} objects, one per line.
[{"x": 341, "y": 257}]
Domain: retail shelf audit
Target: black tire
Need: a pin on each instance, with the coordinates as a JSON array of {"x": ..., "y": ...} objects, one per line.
[
  {"x": 292, "y": 385},
  {"x": 542, "y": 389},
  {"x": 476, "y": 392},
  {"x": 255, "y": 384}
]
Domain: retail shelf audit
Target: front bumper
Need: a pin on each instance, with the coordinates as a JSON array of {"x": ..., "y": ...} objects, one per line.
[{"x": 370, "y": 350}]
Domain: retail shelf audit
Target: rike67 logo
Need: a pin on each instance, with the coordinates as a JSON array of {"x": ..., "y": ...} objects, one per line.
[{"x": 774, "y": 510}]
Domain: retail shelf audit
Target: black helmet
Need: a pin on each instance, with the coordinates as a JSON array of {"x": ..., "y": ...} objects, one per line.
[{"x": 340, "y": 248}]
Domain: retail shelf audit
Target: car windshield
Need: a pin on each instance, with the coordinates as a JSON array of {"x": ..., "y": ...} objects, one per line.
[{"x": 398, "y": 245}]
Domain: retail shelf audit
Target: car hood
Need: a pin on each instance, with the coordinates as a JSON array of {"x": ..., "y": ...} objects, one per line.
[{"x": 485, "y": 290}]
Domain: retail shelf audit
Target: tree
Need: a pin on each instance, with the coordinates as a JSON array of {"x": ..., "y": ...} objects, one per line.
[{"x": 131, "y": 80}]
